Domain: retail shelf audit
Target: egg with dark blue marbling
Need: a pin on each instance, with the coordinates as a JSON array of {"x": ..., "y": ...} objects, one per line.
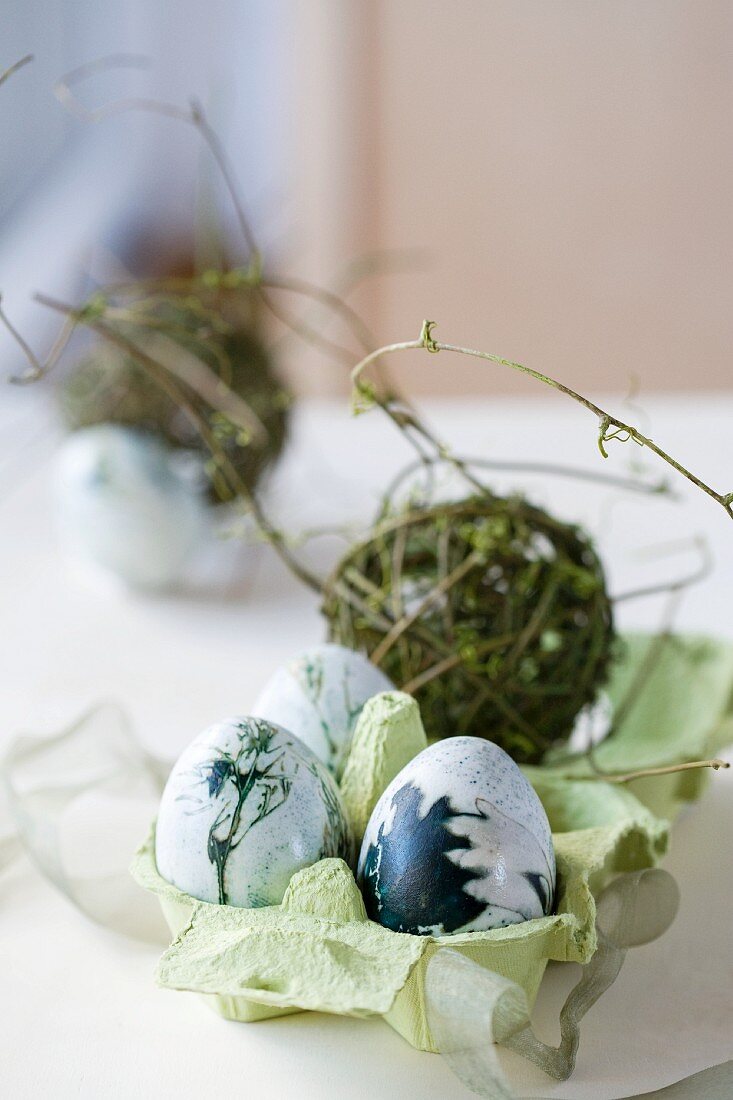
[
  {"x": 458, "y": 842},
  {"x": 245, "y": 807},
  {"x": 319, "y": 695}
]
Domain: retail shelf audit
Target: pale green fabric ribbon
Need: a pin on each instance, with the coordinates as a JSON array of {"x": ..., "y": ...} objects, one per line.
[
  {"x": 472, "y": 1011},
  {"x": 77, "y": 804}
]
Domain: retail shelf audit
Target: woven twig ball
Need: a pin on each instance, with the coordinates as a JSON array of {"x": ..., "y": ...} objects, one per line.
[
  {"x": 110, "y": 386},
  {"x": 490, "y": 611}
]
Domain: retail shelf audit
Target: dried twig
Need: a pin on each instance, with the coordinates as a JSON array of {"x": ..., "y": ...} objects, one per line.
[
  {"x": 12, "y": 69},
  {"x": 609, "y": 426},
  {"x": 643, "y": 773}
]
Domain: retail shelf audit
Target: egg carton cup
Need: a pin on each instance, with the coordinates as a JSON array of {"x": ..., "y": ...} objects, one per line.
[{"x": 318, "y": 951}]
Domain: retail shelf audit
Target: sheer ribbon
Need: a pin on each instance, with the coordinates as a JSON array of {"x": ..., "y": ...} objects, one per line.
[
  {"x": 472, "y": 1011},
  {"x": 77, "y": 804}
]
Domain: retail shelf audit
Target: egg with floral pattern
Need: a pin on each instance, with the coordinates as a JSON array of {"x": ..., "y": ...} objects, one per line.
[
  {"x": 458, "y": 842},
  {"x": 319, "y": 695},
  {"x": 245, "y": 807}
]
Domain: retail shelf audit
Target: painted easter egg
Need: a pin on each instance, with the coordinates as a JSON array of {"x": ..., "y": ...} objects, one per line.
[
  {"x": 125, "y": 507},
  {"x": 458, "y": 842},
  {"x": 319, "y": 695},
  {"x": 245, "y": 807}
]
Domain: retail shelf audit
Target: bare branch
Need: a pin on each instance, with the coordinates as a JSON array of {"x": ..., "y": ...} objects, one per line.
[
  {"x": 610, "y": 426},
  {"x": 6, "y": 75}
]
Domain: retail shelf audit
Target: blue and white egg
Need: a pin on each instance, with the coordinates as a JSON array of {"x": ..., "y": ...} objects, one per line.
[
  {"x": 319, "y": 695},
  {"x": 458, "y": 842},
  {"x": 245, "y": 807},
  {"x": 125, "y": 506}
]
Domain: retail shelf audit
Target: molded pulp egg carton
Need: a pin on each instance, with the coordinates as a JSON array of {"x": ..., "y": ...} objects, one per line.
[{"x": 318, "y": 951}]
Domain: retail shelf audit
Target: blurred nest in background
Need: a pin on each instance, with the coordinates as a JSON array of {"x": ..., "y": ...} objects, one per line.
[
  {"x": 186, "y": 322},
  {"x": 493, "y": 613}
]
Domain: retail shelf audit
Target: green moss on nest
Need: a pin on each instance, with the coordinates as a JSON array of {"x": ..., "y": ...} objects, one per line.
[
  {"x": 109, "y": 386},
  {"x": 493, "y": 613}
]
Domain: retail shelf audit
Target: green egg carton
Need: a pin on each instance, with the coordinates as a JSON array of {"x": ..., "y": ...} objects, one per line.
[{"x": 318, "y": 951}]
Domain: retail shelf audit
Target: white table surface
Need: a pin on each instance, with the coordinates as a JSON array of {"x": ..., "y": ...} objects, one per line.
[{"x": 82, "y": 1016}]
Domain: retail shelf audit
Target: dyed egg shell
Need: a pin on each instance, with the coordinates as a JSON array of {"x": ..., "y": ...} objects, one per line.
[
  {"x": 319, "y": 695},
  {"x": 245, "y": 807},
  {"x": 458, "y": 842},
  {"x": 125, "y": 508}
]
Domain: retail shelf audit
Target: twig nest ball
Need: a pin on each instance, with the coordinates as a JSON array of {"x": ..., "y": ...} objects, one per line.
[
  {"x": 125, "y": 508},
  {"x": 110, "y": 386},
  {"x": 458, "y": 842},
  {"x": 493, "y": 613},
  {"x": 245, "y": 807}
]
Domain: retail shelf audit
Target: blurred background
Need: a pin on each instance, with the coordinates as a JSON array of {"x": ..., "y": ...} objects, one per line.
[
  {"x": 546, "y": 182},
  {"x": 549, "y": 182}
]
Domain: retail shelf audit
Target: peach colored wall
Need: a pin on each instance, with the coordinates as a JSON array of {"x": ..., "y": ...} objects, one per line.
[{"x": 568, "y": 165}]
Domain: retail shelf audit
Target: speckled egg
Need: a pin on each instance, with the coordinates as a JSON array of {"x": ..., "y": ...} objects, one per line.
[
  {"x": 125, "y": 507},
  {"x": 245, "y": 807},
  {"x": 458, "y": 842},
  {"x": 319, "y": 695}
]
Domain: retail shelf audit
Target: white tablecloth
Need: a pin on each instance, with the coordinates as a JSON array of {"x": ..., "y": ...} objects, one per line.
[{"x": 81, "y": 1015}]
